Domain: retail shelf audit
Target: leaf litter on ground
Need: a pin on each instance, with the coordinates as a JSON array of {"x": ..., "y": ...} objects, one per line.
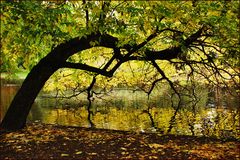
[{"x": 41, "y": 141}]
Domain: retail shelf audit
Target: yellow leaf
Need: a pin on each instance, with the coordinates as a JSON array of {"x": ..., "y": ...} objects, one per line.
[
  {"x": 79, "y": 152},
  {"x": 155, "y": 145},
  {"x": 122, "y": 148},
  {"x": 123, "y": 153},
  {"x": 64, "y": 155},
  {"x": 93, "y": 154}
]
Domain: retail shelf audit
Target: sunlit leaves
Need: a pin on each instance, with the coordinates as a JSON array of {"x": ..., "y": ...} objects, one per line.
[
  {"x": 27, "y": 36},
  {"x": 27, "y": 32}
]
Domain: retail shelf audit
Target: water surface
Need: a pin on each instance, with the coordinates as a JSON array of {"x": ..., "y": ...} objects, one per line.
[{"x": 215, "y": 114}]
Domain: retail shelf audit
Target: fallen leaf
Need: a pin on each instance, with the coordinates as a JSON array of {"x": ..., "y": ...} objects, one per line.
[
  {"x": 122, "y": 148},
  {"x": 155, "y": 145},
  {"x": 79, "y": 152},
  {"x": 92, "y": 153},
  {"x": 64, "y": 155}
]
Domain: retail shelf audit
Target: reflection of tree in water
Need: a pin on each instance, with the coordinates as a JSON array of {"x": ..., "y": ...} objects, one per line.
[
  {"x": 221, "y": 119},
  {"x": 186, "y": 116},
  {"x": 211, "y": 99},
  {"x": 37, "y": 112},
  {"x": 90, "y": 99},
  {"x": 153, "y": 125},
  {"x": 192, "y": 121}
]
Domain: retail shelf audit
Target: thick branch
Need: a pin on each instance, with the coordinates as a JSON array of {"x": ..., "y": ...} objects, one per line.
[
  {"x": 67, "y": 49},
  {"x": 166, "y": 54},
  {"x": 131, "y": 50},
  {"x": 171, "y": 53},
  {"x": 86, "y": 68},
  {"x": 61, "y": 53}
]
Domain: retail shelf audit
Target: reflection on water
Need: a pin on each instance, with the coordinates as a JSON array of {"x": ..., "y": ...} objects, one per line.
[{"x": 216, "y": 114}]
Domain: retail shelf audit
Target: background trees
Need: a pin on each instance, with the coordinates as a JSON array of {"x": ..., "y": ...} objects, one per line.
[{"x": 137, "y": 44}]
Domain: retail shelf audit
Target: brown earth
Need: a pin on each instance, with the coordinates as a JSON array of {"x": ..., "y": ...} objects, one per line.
[{"x": 38, "y": 141}]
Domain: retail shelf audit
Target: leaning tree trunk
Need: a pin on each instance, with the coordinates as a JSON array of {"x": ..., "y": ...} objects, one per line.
[{"x": 17, "y": 113}]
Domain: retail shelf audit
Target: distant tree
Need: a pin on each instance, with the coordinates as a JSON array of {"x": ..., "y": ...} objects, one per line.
[{"x": 198, "y": 39}]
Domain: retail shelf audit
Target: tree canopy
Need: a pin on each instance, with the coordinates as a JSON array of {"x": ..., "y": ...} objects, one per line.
[
  {"x": 191, "y": 36},
  {"x": 133, "y": 43}
]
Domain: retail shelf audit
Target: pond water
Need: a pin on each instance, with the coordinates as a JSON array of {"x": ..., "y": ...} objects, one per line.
[{"x": 215, "y": 114}]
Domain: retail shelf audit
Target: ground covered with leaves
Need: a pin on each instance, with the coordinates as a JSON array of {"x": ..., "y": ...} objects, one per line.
[{"x": 38, "y": 141}]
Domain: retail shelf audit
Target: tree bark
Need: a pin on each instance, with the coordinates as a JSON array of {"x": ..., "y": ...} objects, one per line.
[{"x": 17, "y": 113}]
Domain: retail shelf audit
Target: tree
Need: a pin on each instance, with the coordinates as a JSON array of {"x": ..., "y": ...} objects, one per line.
[{"x": 198, "y": 39}]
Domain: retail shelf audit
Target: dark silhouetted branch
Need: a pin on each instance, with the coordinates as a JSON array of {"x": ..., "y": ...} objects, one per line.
[{"x": 86, "y": 68}]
